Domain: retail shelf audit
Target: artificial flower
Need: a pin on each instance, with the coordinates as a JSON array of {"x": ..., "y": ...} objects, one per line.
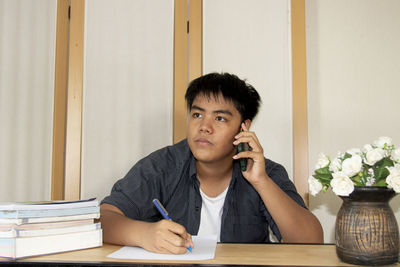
[
  {"x": 376, "y": 164},
  {"x": 383, "y": 141},
  {"x": 315, "y": 186},
  {"x": 396, "y": 155},
  {"x": 352, "y": 165},
  {"x": 336, "y": 165},
  {"x": 393, "y": 179},
  {"x": 374, "y": 155},
  {"x": 322, "y": 162},
  {"x": 341, "y": 184}
]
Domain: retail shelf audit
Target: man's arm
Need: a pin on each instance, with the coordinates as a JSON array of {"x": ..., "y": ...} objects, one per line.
[
  {"x": 296, "y": 224},
  {"x": 163, "y": 236}
]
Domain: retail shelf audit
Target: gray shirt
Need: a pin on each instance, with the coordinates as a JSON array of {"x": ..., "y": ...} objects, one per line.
[{"x": 169, "y": 174}]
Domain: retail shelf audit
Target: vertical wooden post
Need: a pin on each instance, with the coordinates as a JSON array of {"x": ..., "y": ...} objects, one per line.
[
  {"x": 60, "y": 101},
  {"x": 195, "y": 39},
  {"x": 74, "y": 104},
  {"x": 180, "y": 69},
  {"x": 300, "y": 121}
]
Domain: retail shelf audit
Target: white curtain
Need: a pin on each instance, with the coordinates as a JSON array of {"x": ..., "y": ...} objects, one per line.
[
  {"x": 27, "y": 53},
  {"x": 128, "y": 87},
  {"x": 252, "y": 40}
]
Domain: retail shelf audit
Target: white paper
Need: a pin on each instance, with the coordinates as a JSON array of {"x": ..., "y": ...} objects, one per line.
[{"x": 204, "y": 249}]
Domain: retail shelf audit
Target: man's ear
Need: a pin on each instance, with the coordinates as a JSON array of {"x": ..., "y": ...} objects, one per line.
[{"x": 247, "y": 123}]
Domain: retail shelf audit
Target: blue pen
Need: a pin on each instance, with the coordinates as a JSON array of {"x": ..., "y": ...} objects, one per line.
[{"x": 164, "y": 213}]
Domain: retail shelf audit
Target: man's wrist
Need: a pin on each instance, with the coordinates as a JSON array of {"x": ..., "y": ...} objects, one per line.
[{"x": 262, "y": 182}]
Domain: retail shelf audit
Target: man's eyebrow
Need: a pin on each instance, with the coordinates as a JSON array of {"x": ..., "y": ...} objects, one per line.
[
  {"x": 218, "y": 111},
  {"x": 197, "y": 107},
  {"x": 223, "y": 111}
]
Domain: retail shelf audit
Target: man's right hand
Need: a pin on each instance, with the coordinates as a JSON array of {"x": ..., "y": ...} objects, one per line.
[
  {"x": 162, "y": 237},
  {"x": 166, "y": 237}
]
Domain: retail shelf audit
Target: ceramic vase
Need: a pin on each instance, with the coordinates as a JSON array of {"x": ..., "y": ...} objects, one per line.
[{"x": 366, "y": 230}]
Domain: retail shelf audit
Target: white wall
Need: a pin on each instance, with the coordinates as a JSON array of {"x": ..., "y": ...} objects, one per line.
[
  {"x": 353, "y": 75},
  {"x": 27, "y": 53},
  {"x": 252, "y": 40},
  {"x": 128, "y": 87},
  {"x": 353, "y": 67}
]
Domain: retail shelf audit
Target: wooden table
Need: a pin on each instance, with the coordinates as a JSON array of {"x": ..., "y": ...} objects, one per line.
[{"x": 225, "y": 254}]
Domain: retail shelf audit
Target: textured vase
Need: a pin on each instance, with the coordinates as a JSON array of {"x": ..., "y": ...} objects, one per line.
[{"x": 366, "y": 230}]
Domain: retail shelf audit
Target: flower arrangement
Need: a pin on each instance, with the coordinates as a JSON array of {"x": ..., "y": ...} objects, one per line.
[{"x": 376, "y": 164}]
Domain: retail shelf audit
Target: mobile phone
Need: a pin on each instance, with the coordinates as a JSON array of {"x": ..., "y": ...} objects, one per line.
[{"x": 243, "y": 161}]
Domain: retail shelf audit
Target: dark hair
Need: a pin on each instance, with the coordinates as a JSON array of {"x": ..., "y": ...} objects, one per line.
[{"x": 243, "y": 96}]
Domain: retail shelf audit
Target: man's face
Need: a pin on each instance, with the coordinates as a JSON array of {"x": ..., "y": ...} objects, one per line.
[{"x": 212, "y": 125}]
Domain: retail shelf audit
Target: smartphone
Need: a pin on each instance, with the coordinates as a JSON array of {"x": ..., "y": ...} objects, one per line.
[{"x": 240, "y": 148}]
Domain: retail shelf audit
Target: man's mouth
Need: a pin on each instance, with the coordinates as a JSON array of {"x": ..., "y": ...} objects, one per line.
[{"x": 203, "y": 141}]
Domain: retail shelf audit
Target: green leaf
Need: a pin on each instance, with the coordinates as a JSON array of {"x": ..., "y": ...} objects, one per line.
[
  {"x": 358, "y": 183},
  {"x": 324, "y": 170},
  {"x": 385, "y": 162},
  {"x": 323, "y": 177},
  {"x": 364, "y": 175},
  {"x": 381, "y": 183},
  {"x": 346, "y": 156},
  {"x": 381, "y": 173}
]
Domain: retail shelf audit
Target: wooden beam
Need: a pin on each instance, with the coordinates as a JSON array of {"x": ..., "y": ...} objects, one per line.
[
  {"x": 74, "y": 104},
  {"x": 300, "y": 121},
  {"x": 195, "y": 39},
  {"x": 180, "y": 69},
  {"x": 60, "y": 101}
]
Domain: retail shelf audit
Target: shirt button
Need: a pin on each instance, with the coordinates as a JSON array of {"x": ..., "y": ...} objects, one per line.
[{"x": 197, "y": 209}]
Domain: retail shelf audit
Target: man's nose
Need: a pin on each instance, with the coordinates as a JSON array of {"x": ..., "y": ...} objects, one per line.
[{"x": 206, "y": 126}]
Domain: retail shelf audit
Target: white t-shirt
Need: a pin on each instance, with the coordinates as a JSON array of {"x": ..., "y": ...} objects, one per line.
[{"x": 211, "y": 214}]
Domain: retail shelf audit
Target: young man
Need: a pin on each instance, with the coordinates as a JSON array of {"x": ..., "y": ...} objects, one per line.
[{"x": 201, "y": 184}]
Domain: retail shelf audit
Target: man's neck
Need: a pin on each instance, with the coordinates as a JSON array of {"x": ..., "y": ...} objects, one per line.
[{"x": 214, "y": 177}]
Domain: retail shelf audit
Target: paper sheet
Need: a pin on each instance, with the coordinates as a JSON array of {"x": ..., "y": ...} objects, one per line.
[{"x": 204, "y": 249}]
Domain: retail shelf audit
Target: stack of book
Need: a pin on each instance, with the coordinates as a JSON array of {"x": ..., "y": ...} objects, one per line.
[{"x": 37, "y": 228}]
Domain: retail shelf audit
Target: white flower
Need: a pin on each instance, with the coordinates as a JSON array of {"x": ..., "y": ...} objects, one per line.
[
  {"x": 314, "y": 186},
  {"x": 396, "y": 155},
  {"x": 382, "y": 141},
  {"x": 340, "y": 155},
  {"x": 336, "y": 165},
  {"x": 354, "y": 151},
  {"x": 367, "y": 148},
  {"x": 370, "y": 177},
  {"x": 341, "y": 184},
  {"x": 370, "y": 181},
  {"x": 352, "y": 166},
  {"x": 373, "y": 156},
  {"x": 393, "y": 179},
  {"x": 322, "y": 162}
]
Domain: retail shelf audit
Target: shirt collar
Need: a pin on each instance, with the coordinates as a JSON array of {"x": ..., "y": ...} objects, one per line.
[
  {"x": 192, "y": 167},
  {"x": 236, "y": 173}
]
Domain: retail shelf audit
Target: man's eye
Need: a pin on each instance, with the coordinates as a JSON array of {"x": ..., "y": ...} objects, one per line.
[
  {"x": 196, "y": 115},
  {"x": 219, "y": 118}
]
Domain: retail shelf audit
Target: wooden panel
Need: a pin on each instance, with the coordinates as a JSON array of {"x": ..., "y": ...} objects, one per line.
[
  {"x": 195, "y": 39},
  {"x": 74, "y": 106},
  {"x": 300, "y": 122},
  {"x": 60, "y": 100},
  {"x": 180, "y": 69}
]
